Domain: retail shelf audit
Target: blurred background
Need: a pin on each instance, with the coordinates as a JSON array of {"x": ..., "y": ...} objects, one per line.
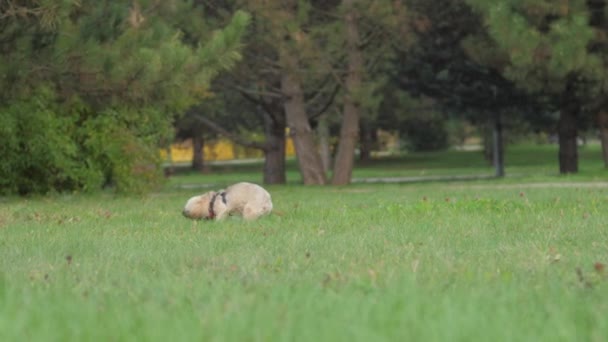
[{"x": 121, "y": 95}]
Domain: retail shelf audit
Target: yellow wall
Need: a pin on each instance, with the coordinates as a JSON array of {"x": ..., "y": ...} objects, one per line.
[{"x": 220, "y": 149}]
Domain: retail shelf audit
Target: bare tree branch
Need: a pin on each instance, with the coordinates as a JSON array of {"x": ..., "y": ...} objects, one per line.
[
  {"x": 327, "y": 103},
  {"x": 258, "y": 92},
  {"x": 222, "y": 131},
  {"x": 259, "y": 101}
]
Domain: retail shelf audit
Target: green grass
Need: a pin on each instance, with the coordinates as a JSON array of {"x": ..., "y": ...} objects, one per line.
[
  {"x": 522, "y": 163},
  {"x": 495, "y": 260}
]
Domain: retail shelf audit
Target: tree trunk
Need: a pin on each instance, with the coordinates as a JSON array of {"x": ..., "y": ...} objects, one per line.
[
  {"x": 488, "y": 150},
  {"x": 349, "y": 132},
  {"x": 367, "y": 138},
  {"x": 498, "y": 146},
  {"x": 274, "y": 155},
  {"x": 567, "y": 131},
  {"x": 170, "y": 169},
  {"x": 602, "y": 120},
  {"x": 198, "y": 154},
  {"x": 325, "y": 150},
  {"x": 300, "y": 131}
]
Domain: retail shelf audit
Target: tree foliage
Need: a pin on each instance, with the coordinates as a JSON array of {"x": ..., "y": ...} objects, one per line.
[
  {"x": 546, "y": 42},
  {"x": 91, "y": 88},
  {"x": 550, "y": 54}
]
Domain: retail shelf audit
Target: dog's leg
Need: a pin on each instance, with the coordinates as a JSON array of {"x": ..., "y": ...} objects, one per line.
[
  {"x": 255, "y": 212},
  {"x": 250, "y": 213}
]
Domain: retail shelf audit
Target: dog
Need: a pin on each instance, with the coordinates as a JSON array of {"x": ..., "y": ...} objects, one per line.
[{"x": 246, "y": 199}]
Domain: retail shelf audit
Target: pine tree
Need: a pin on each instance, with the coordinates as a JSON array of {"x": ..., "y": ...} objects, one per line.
[
  {"x": 455, "y": 62},
  {"x": 100, "y": 82},
  {"x": 547, "y": 44}
]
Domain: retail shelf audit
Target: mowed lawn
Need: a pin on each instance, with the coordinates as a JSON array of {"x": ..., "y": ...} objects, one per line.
[{"x": 490, "y": 260}]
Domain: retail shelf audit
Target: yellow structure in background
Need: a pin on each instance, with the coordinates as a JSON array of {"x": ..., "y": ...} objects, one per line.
[{"x": 218, "y": 150}]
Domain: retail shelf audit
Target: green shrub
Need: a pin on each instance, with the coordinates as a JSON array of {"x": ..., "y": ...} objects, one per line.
[
  {"x": 38, "y": 151},
  {"x": 51, "y": 147},
  {"x": 126, "y": 154}
]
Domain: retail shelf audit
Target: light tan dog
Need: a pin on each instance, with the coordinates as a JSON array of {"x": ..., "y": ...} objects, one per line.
[{"x": 246, "y": 199}]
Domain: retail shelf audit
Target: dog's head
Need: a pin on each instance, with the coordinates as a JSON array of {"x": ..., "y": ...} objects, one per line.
[{"x": 197, "y": 207}]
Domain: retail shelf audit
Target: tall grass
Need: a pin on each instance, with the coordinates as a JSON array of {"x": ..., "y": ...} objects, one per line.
[{"x": 458, "y": 261}]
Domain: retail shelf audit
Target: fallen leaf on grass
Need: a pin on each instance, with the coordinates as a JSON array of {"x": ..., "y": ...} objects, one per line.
[
  {"x": 553, "y": 256},
  {"x": 415, "y": 264},
  {"x": 582, "y": 279},
  {"x": 105, "y": 213}
]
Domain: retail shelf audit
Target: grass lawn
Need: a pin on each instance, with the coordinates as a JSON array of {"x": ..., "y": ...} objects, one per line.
[
  {"x": 522, "y": 163},
  {"x": 520, "y": 259}
]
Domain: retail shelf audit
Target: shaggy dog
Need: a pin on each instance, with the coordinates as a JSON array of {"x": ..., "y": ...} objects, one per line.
[{"x": 246, "y": 199}]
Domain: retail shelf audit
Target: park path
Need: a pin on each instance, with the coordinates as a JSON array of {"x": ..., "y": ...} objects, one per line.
[
  {"x": 449, "y": 179},
  {"x": 420, "y": 179},
  {"x": 439, "y": 178}
]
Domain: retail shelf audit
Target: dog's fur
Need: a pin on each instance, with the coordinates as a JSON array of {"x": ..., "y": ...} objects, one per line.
[{"x": 246, "y": 199}]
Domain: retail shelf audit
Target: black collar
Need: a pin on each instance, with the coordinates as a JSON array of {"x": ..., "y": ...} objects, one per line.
[{"x": 212, "y": 202}]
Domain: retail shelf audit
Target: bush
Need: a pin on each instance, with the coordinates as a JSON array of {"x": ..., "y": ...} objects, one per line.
[
  {"x": 38, "y": 152},
  {"x": 52, "y": 147},
  {"x": 127, "y": 157}
]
